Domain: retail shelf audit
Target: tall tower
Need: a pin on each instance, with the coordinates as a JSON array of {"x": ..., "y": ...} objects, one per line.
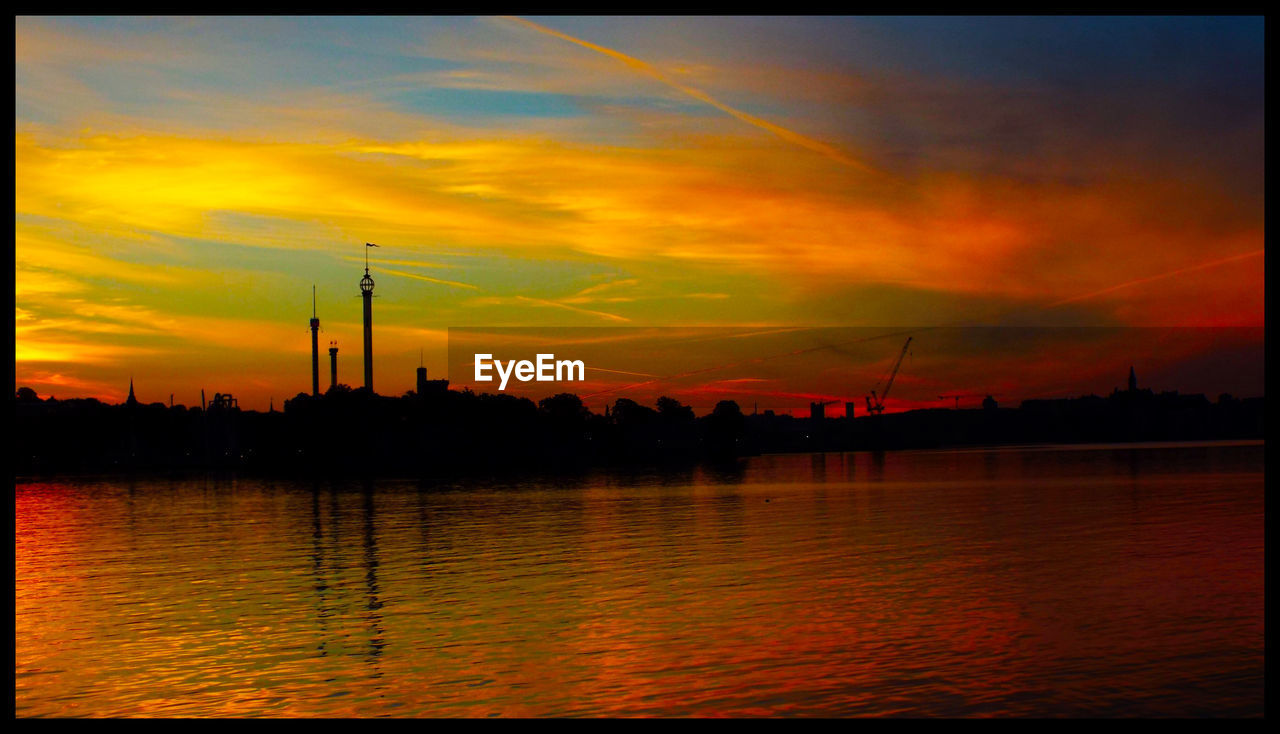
[
  {"x": 366, "y": 291},
  {"x": 1133, "y": 380},
  {"x": 315, "y": 346},
  {"x": 333, "y": 364}
]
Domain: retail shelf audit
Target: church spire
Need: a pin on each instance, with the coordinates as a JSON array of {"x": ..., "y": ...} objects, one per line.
[{"x": 132, "y": 400}]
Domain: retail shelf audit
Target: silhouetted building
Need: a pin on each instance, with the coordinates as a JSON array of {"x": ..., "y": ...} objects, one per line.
[
  {"x": 848, "y": 409},
  {"x": 131, "y": 400},
  {"x": 431, "y": 387},
  {"x": 223, "y": 402},
  {"x": 1132, "y": 393},
  {"x": 315, "y": 346},
  {"x": 817, "y": 411},
  {"x": 333, "y": 364},
  {"x": 989, "y": 403}
]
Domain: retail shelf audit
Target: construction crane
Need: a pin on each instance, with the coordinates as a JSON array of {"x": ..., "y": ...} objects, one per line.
[
  {"x": 957, "y": 396},
  {"x": 875, "y": 404}
]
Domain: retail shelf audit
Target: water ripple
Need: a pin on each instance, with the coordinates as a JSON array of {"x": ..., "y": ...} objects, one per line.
[{"x": 1098, "y": 582}]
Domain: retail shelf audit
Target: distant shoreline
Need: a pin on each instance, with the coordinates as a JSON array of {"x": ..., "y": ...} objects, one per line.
[
  {"x": 1083, "y": 446},
  {"x": 543, "y": 473}
]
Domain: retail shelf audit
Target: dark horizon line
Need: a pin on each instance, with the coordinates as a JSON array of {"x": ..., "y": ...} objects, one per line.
[{"x": 411, "y": 394}]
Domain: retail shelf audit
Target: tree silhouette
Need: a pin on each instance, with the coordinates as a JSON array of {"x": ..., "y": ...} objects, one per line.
[
  {"x": 564, "y": 408},
  {"x": 673, "y": 411},
  {"x": 630, "y": 414},
  {"x": 726, "y": 427}
]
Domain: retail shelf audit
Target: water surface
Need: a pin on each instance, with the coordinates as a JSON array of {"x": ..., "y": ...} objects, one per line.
[{"x": 1058, "y": 581}]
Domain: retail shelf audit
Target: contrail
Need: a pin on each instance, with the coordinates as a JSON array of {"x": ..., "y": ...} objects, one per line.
[
  {"x": 557, "y": 304},
  {"x": 403, "y": 274},
  {"x": 621, "y": 372},
  {"x": 653, "y": 72},
  {"x": 1162, "y": 276}
]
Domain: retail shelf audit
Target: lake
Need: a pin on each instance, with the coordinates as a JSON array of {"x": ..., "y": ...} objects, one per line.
[{"x": 1032, "y": 581}]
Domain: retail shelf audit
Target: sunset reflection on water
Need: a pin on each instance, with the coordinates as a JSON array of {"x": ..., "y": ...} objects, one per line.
[{"x": 1096, "y": 581}]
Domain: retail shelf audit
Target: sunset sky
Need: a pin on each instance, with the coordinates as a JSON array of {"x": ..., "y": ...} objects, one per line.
[{"x": 182, "y": 183}]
